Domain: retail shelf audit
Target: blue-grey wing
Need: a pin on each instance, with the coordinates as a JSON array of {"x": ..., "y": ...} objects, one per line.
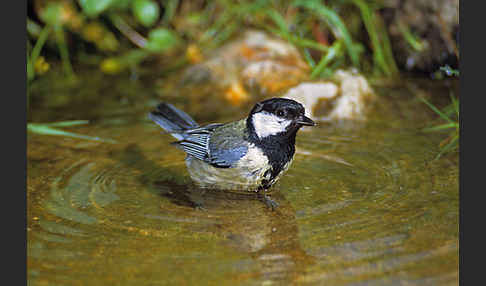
[
  {"x": 228, "y": 144},
  {"x": 196, "y": 141},
  {"x": 220, "y": 145},
  {"x": 227, "y": 157}
]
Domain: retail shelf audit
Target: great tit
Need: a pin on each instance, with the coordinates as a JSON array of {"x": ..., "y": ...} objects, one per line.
[{"x": 250, "y": 154}]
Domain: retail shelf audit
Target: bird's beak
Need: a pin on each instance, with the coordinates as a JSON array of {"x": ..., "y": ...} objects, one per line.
[{"x": 304, "y": 120}]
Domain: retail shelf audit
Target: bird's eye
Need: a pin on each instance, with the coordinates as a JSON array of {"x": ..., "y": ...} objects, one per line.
[{"x": 281, "y": 113}]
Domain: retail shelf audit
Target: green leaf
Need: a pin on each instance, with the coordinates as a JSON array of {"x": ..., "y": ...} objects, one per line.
[
  {"x": 52, "y": 14},
  {"x": 121, "y": 4},
  {"x": 170, "y": 9},
  {"x": 146, "y": 11},
  {"x": 93, "y": 8},
  {"x": 160, "y": 40}
]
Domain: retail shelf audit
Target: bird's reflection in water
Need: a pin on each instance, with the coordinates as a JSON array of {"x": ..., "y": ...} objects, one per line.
[{"x": 269, "y": 236}]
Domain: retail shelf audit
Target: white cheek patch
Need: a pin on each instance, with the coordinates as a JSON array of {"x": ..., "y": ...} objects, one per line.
[{"x": 267, "y": 124}]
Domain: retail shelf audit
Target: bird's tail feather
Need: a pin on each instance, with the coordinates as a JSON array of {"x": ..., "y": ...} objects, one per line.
[{"x": 172, "y": 120}]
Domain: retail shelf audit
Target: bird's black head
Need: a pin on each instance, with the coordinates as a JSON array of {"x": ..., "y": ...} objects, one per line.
[{"x": 277, "y": 116}]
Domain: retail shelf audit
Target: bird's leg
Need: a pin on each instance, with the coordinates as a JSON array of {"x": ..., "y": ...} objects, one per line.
[
  {"x": 269, "y": 202},
  {"x": 196, "y": 197}
]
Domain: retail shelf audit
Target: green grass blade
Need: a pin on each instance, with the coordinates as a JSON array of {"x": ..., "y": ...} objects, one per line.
[
  {"x": 370, "y": 21},
  {"x": 36, "y": 50},
  {"x": 45, "y": 129},
  {"x": 440, "y": 113},
  {"x": 278, "y": 20},
  {"x": 440, "y": 127},
  {"x": 410, "y": 38},
  {"x": 301, "y": 42},
  {"x": 455, "y": 104},
  {"x": 63, "y": 51},
  {"x": 66, "y": 123},
  {"x": 387, "y": 48},
  {"x": 309, "y": 58},
  {"x": 452, "y": 145},
  {"x": 331, "y": 54},
  {"x": 331, "y": 17}
]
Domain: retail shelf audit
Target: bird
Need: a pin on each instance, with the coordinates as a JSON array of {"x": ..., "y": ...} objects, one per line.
[{"x": 249, "y": 155}]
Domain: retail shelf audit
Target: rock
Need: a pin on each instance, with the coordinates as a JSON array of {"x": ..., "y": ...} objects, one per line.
[
  {"x": 310, "y": 93},
  {"x": 255, "y": 61},
  {"x": 269, "y": 76},
  {"x": 346, "y": 96}
]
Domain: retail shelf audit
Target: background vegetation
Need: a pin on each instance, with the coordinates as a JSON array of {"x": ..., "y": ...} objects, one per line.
[{"x": 118, "y": 35}]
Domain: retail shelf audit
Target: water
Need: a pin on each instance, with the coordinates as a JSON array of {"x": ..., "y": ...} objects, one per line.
[{"x": 361, "y": 205}]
